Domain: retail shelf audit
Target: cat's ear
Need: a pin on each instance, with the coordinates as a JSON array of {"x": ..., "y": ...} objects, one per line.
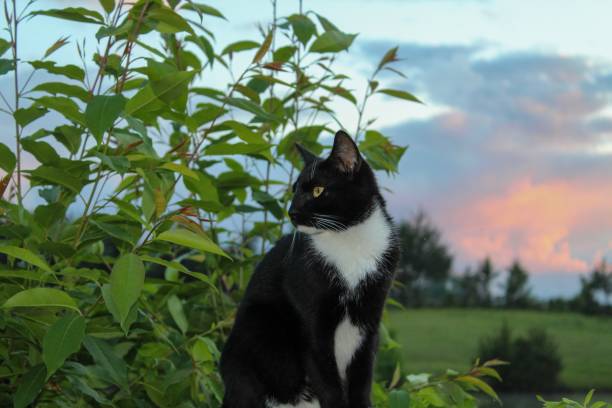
[
  {"x": 307, "y": 156},
  {"x": 345, "y": 153}
]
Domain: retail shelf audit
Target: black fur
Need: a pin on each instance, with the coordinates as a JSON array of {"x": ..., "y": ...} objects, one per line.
[{"x": 281, "y": 347}]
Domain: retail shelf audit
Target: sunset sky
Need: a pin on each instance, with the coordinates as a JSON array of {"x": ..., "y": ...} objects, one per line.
[{"x": 511, "y": 155}]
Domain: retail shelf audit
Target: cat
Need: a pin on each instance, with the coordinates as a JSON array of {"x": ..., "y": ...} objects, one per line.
[{"x": 306, "y": 331}]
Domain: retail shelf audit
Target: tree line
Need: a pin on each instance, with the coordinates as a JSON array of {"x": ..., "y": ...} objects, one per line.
[{"x": 427, "y": 278}]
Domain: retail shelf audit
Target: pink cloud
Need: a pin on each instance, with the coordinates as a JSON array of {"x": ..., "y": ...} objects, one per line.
[{"x": 531, "y": 221}]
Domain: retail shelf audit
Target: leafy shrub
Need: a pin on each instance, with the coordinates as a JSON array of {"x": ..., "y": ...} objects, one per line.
[
  {"x": 156, "y": 193},
  {"x": 567, "y": 403},
  {"x": 450, "y": 390},
  {"x": 535, "y": 362}
]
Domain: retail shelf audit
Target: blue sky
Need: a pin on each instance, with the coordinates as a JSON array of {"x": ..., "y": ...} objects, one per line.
[{"x": 511, "y": 155}]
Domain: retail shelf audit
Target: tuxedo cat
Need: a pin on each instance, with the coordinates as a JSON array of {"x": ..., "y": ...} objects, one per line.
[{"x": 306, "y": 330}]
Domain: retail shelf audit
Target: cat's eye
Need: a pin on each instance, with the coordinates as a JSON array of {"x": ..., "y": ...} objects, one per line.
[{"x": 317, "y": 191}]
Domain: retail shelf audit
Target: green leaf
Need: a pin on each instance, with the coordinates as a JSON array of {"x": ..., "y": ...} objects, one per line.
[
  {"x": 265, "y": 46},
  {"x": 400, "y": 94},
  {"x": 6, "y": 66},
  {"x": 127, "y": 279},
  {"x": 269, "y": 202},
  {"x": 284, "y": 54},
  {"x": 244, "y": 132},
  {"x": 179, "y": 267},
  {"x": 303, "y": 27},
  {"x": 102, "y": 112},
  {"x": 175, "y": 307},
  {"x": 104, "y": 355},
  {"x": 25, "y": 255},
  {"x": 116, "y": 230},
  {"x": 399, "y": 399},
  {"x": 4, "y": 46},
  {"x": 207, "y": 113},
  {"x": 235, "y": 148},
  {"x": 161, "y": 89},
  {"x": 390, "y": 56},
  {"x": 191, "y": 240},
  {"x": 30, "y": 386},
  {"x": 62, "y": 339},
  {"x": 332, "y": 41},
  {"x": 56, "y": 46},
  {"x": 25, "y": 116},
  {"x": 588, "y": 398},
  {"x": 180, "y": 168},
  {"x": 41, "y": 297},
  {"x": 43, "y": 151},
  {"x": 120, "y": 164},
  {"x": 70, "y": 71},
  {"x": 478, "y": 383},
  {"x": 203, "y": 9},
  {"x": 239, "y": 46},
  {"x": 63, "y": 105},
  {"x": 7, "y": 159},
  {"x": 204, "y": 187},
  {"x": 53, "y": 175},
  {"x": 62, "y": 88},
  {"x": 79, "y": 14},
  {"x": 326, "y": 24},
  {"x": 251, "y": 107},
  {"x": 110, "y": 305},
  {"x": 108, "y": 5},
  {"x": 169, "y": 22}
]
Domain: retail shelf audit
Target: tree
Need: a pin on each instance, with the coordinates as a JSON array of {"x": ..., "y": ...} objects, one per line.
[
  {"x": 473, "y": 288},
  {"x": 595, "y": 292},
  {"x": 516, "y": 291},
  {"x": 425, "y": 263}
]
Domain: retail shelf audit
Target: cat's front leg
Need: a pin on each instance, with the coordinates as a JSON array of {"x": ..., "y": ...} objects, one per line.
[
  {"x": 321, "y": 367},
  {"x": 359, "y": 373},
  {"x": 325, "y": 381}
]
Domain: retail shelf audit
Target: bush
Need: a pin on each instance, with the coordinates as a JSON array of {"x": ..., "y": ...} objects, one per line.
[
  {"x": 535, "y": 362},
  {"x": 127, "y": 243}
]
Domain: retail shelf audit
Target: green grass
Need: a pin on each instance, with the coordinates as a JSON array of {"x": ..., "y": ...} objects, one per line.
[{"x": 436, "y": 339}]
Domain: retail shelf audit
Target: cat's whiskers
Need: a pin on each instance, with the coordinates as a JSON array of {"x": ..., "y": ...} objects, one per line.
[
  {"x": 334, "y": 221},
  {"x": 328, "y": 224}
]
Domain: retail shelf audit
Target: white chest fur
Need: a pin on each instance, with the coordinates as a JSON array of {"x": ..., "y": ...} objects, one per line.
[
  {"x": 356, "y": 251},
  {"x": 347, "y": 340}
]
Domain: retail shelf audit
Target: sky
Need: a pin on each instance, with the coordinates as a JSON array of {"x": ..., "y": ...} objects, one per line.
[{"x": 511, "y": 154}]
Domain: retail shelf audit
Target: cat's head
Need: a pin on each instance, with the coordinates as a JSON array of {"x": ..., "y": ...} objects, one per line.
[{"x": 334, "y": 193}]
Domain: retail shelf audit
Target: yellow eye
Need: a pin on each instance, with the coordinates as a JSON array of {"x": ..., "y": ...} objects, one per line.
[{"x": 317, "y": 191}]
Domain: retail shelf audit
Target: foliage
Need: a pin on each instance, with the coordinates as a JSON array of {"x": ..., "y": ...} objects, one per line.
[
  {"x": 425, "y": 263},
  {"x": 536, "y": 362},
  {"x": 156, "y": 193},
  {"x": 451, "y": 389},
  {"x": 595, "y": 292},
  {"x": 516, "y": 291},
  {"x": 567, "y": 403}
]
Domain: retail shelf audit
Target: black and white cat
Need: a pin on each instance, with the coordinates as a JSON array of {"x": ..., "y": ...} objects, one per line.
[{"x": 306, "y": 331}]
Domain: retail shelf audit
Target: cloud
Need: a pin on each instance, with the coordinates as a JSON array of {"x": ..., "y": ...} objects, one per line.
[
  {"x": 533, "y": 222},
  {"x": 513, "y": 167}
]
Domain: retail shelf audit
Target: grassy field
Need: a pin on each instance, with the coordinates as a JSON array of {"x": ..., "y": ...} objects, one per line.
[{"x": 436, "y": 339}]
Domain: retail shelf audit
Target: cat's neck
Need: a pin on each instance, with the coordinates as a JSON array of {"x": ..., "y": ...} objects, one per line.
[{"x": 357, "y": 251}]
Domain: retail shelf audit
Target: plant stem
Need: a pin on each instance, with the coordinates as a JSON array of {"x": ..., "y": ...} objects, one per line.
[
  {"x": 361, "y": 109},
  {"x": 14, "y": 34},
  {"x": 268, "y": 165}
]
